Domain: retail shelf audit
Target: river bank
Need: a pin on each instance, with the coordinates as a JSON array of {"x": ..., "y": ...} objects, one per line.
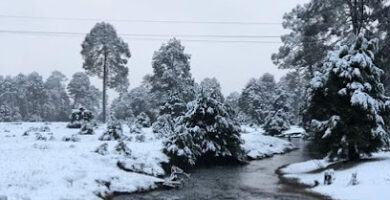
[{"x": 254, "y": 181}]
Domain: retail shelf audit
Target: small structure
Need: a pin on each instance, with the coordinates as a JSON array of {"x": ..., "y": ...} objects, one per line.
[{"x": 329, "y": 177}]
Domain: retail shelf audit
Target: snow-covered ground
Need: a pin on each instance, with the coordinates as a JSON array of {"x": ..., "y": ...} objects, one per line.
[
  {"x": 294, "y": 132},
  {"x": 37, "y": 164},
  {"x": 260, "y": 146},
  {"x": 52, "y": 169},
  {"x": 373, "y": 178}
]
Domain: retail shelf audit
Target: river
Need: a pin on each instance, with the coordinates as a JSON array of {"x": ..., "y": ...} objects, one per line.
[{"x": 255, "y": 181}]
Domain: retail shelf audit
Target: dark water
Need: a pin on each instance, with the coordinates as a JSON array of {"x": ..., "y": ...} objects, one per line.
[{"x": 255, "y": 181}]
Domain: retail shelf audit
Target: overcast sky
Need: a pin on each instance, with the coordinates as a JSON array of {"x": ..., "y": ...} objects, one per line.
[{"x": 233, "y": 64}]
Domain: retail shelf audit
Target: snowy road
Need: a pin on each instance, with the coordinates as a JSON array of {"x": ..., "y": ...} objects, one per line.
[{"x": 254, "y": 181}]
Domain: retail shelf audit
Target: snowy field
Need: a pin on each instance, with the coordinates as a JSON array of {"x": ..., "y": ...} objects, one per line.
[
  {"x": 373, "y": 178},
  {"x": 38, "y": 164}
]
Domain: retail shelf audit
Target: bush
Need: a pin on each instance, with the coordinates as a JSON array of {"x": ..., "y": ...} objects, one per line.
[{"x": 114, "y": 131}]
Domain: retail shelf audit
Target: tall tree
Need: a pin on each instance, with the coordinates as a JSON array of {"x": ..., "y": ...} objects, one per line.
[
  {"x": 318, "y": 26},
  {"x": 105, "y": 54},
  {"x": 171, "y": 72},
  {"x": 347, "y": 111}
]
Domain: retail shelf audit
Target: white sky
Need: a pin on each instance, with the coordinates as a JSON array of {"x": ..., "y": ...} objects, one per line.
[{"x": 233, "y": 64}]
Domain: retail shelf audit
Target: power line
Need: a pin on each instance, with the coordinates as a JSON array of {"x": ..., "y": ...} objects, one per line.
[
  {"x": 136, "y": 36},
  {"x": 161, "y": 37},
  {"x": 141, "y": 20},
  {"x": 151, "y": 35}
]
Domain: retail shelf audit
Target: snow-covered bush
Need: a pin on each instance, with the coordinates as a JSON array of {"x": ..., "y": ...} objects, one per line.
[
  {"x": 347, "y": 109},
  {"x": 79, "y": 117},
  {"x": 143, "y": 120},
  {"x": 86, "y": 128},
  {"x": 140, "y": 138},
  {"x": 114, "y": 131},
  {"x": 206, "y": 134},
  {"x": 276, "y": 122},
  {"x": 122, "y": 149},
  {"x": 102, "y": 149},
  {"x": 72, "y": 138}
]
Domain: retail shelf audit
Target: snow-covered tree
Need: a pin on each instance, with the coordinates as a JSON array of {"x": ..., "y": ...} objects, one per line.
[
  {"x": 348, "y": 113},
  {"x": 9, "y": 107},
  {"x": 133, "y": 103},
  {"x": 207, "y": 133},
  {"x": 278, "y": 118},
  {"x": 168, "y": 115},
  {"x": 171, "y": 72},
  {"x": 83, "y": 93},
  {"x": 256, "y": 98},
  {"x": 105, "y": 54},
  {"x": 35, "y": 95},
  {"x": 212, "y": 88},
  {"x": 57, "y": 105}
]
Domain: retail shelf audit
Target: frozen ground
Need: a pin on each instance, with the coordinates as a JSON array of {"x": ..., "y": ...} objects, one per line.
[
  {"x": 37, "y": 164},
  {"x": 373, "y": 176}
]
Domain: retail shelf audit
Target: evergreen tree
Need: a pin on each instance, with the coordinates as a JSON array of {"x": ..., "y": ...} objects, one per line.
[
  {"x": 211, "y": 87},
  {"x": 348, "y": 112},
  {"x": 35, "y": 97},
  {"x": 256, "y": 98},
  {"x": 106, "y": 55},
  {"x": 293, "y": 85},
  {"x": 168, "y": 115},
  {"x": 138, "y": 100},
  {"x": 171, "y": 72},
  {"x": 318, "y": 25},
  {"x": 207, "y": 133},
  {"x": 83, "y": 93},
  {"x": 279, "y": 118},
  {"x": 57, "y": 105}
]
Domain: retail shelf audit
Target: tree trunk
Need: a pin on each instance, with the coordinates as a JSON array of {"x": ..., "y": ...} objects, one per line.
[{"x": 104, "y": 88}]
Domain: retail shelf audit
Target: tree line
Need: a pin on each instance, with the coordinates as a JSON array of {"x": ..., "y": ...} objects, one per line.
[{"x": 31, "y": 98}]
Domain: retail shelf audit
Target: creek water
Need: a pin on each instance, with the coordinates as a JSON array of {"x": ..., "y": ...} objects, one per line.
[{"x": 254, "y": 181}]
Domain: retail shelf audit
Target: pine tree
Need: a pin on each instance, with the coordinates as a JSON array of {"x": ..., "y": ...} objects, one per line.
[
  {"x": 106, "y": 55},
  {"x": 279, "y": 117},
  {"x": 207, "y": 133},
  {"x": 256, "y": 98},
  {"x": 318, "y": 25},
  {"x": 211, "y": 86},
  {"x": 57, "y": 105},
  {"x": 83, "y": 93},
  {"x": 129, "y": 104},
  {"x": 169, "y": 114},
  {"x": 171, "y": 72},
  {"x": 348, "y": 112}
]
